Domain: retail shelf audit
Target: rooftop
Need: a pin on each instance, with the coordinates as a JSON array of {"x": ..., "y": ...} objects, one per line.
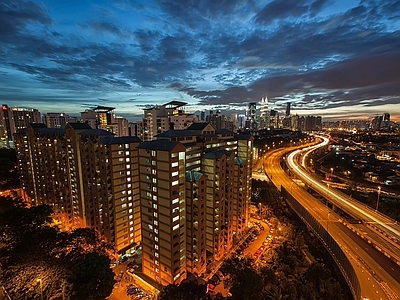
[{"x": 165, "y": 145}]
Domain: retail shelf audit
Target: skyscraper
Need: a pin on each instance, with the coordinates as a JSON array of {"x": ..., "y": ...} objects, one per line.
[
  {"x": 264, "y": 114},
  {"x": 287, "y": 109}
]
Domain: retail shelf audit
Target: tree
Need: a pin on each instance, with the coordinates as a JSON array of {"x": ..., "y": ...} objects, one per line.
[
  {"x": 186, "y": 290},
  {"x": 244, "y": 280},
  {"x": 68, "y": 265}
]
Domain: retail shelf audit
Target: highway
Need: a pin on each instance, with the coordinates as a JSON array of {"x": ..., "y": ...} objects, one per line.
[
  {"x": 359, "y": 211},
  {"x": 378, "y": 275}
]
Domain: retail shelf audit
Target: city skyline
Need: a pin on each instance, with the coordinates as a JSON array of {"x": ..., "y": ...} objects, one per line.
[{"x": 339, "y": 59}]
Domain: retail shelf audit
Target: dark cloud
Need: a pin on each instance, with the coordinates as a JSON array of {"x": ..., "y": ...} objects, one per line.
[
  {"x": 214, "y": 52},
  {"x": 16, "y": 15},
  {"x": 282, "y": 9}
]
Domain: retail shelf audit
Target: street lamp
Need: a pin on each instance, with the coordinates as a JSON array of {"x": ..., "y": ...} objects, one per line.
[
  {"x": 377, "y": 200},
  {"x": 41, "y": 287}
]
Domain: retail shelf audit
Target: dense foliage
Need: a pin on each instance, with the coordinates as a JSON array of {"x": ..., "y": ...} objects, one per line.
[
  {"x": 35, "y": 257},
  {"x": 301, "y": 267},
  {"x": 8, "y": 172}
]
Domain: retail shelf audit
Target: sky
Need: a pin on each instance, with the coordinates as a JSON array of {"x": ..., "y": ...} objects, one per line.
[{"x": 339, "y": 59}]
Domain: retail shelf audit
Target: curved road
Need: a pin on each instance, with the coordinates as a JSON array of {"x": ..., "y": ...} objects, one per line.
[{"x": 375, "y": 272}]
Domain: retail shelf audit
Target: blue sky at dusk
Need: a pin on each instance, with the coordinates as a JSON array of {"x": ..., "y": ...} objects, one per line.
[{"x": 338, "y": 59}]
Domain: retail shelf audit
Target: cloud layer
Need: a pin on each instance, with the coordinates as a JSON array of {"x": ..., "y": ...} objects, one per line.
[{"x": 334, "y": 57}]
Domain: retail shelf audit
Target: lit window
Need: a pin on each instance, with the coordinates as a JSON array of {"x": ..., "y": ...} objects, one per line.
[
  {"x": 154, "y": 180},
  {"x": 175, "y": 219},
  {"x": 126, "y": 152},
  {"x": 155, "y": 206},
  {"x": 156, "y": 246},
  {"x": 150, "y": 227},
  {"x": 175, "y": 173},
  {"x": 154, "y": 189},
  {"x": 127, "y": 159},
  {"x": 128, "y": 166},
  {"x": 176, "y": 200},
  {"x": 155, "y": 222},
  {"x": 175, "y": 182},
  {"x": 175, "y": 227},
  {"x": 124, "y": 205},
  {"x": 156, "y": 254},
  {"x": 174, "y": 164},
  {"x": 155, "y": 214}
]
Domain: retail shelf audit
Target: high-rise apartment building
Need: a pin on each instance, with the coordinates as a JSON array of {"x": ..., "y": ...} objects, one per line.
[
  {"x": 89, "y": 176},
  {"x": 161, "y": 118},
  {"x": 56, "y": 120},
  {"x": 195, "y": 191},
  {"x": 184, "y": 195},
  {"x": 15, "y": 118}
]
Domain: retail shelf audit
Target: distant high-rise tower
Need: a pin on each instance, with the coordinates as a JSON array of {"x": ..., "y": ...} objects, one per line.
[
  {"x": 264, "y": 115},
  {"x": 251, "y": 116},
  {"x": 288, "y": 109}
]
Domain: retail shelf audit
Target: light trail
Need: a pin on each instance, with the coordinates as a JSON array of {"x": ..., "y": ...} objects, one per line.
[{"x": 352, "y": 206}]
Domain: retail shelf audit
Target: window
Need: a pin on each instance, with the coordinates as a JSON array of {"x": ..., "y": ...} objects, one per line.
[
  {"x": 154, "y": 189},
  {"x": 126, "y": 152},
  {"x": 155, "y": 206},
  {"x": 155, "y": 197},
  {"x": 153, "y": 163},
  {"x": 175, "y": 182},
  {"x": 155, "y": 222},
  {"x": 174, "y": 164},
  {"x": 155, "y": 214},
  {"x": 156, "y": 247},
  {"x": 176, "y": 200},
  {"x": 127, "y": 159},
  {"x": 176, "y": 218},
  {"x": 175, "y": 173},
  {"x": 175, "y": 227},
  {"x": 154, "y": 180},
  {"x": 153, "y": 153}
]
